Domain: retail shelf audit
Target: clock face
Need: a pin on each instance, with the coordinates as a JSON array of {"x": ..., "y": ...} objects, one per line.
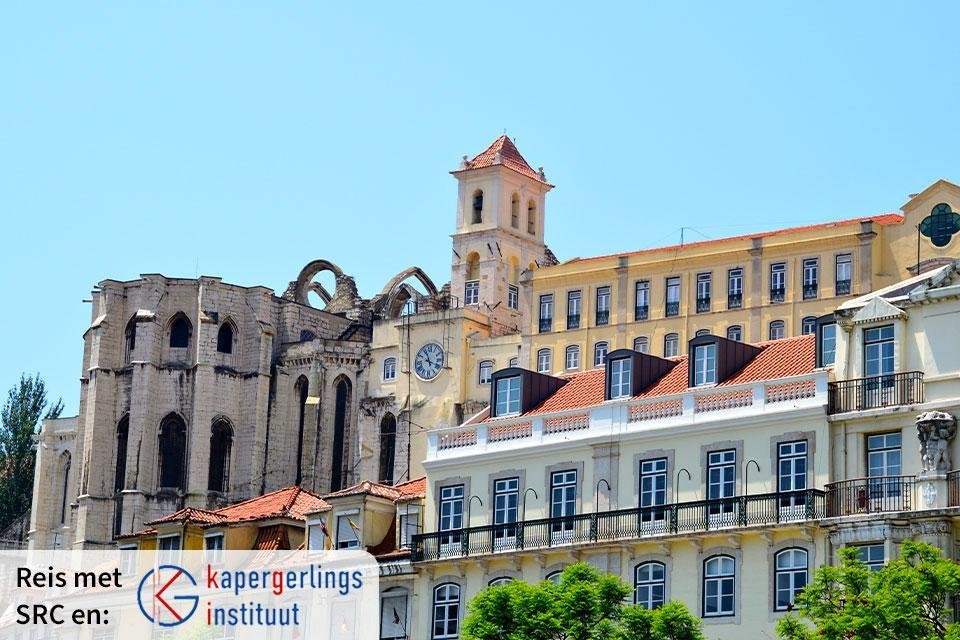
[{"x": 429, "y": 361}]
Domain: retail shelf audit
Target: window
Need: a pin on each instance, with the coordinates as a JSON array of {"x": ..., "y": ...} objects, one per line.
[
  {"x": 735, "y": 288},
  {"x": 347, "y": 531},
  {"x": 546, "y": 313},
  {"x": 671, "y": 345},
  {"x": 735, "y": 332},
  {"x": 718, "y": 586},
  {"x": 621, "y": 379},
  {"x": 600, "y": 354},
  {"x": 446, "y": 611},
  {"x": 506, "y": 493},
  {"x": 808, "y": 325},
  {"x": 871, "y": 555},
  {"x": 477, "y": 207},
  {"x": 508, "y": 395},
  {"x": 120, "y": 469},
  {"x": 790, "y": 577},
  {"x": 778, "y": 281},
  {"x": 705, "y": 365},
  {"x": 451, "y": 512},
  {"x": 221, "y": 443},
  {"x": 811, "y": 278},
  {"x": 649, "y": 584},
  {"x": 513, "y": 297},
  {"x": 302, "y": 390},
  {"x": 169, "y": 548},
  {"x": 471, "y": 292},
  {"x": 563, "y": 499},
  {"x": 603, "y": 306},
  {"x": 721, "y": 482},
  {"x": 878, "y": 351},
  {"x": 641, "y": 344},
  {"x": 393, "y": 614},
  {"x": 827, "y": 343},
  {"x": 554, "y": 577},
  {"x": 341, "y": 423},
  {"x": 180, "y": 332},
  {"x": 543, "y": 361},
  {"x": 173, "y": 446},
  {"x": 514, "y": 361},
  {"x": 673, "y": 297},
  {"x": 777, "y": 330},
  {"x": 499, "y": 582},
  {"x": 844, "y": 274},
  {"x": 703, "y": 292},
  {"x": 653, "y": 490},
  {"x": 641, "y": 309},
  {"x": 515, "y": 211},
  {"x": 572, "y": 360},
  {"x": 792, "y": 475},
  {"x": 225, "y": 338},
  {"x": 409, "y": 526},
  {"x": 389, "y": 369},
  {"x": 130, "y": 341},
  {"x": 573, "y": 310},
  {"x": 883, "y": 455},
  {"x": 128, "y": 559},
  {"x": 486, "y": 371},
  {"x": 65, "y": 463},
  {"x": 213, "y": 545},
  {"x": 531, "y": 218},
  {"x": 388, "y": 448}
]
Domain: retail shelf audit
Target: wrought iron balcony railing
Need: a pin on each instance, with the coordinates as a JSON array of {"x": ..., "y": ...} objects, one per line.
[
  {"x": 870, "y": 495},
  {"x": 703, "y": 305},
  {"x": 641, "y": 312},
  {"x": 777, "y": 295},
  {"x": 546, "y": 324},
  {"x": 810, "y": 291},
  {"x": 603, "y": 317},
  {"x": 623, "y": 524},
  {"x": 889, "y": 390},
  {"x": 573, "y": 321},
  {"x": 842, "y": 288},
  {"x": 734, "y": 300},
  {"x": 673, "y": 309}
]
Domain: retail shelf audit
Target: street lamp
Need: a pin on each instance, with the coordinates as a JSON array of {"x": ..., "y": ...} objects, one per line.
[
  {"x": 676, "y": 487},
  {"x": 523, "y": 506},
  {"x": 746, "y": 475}
]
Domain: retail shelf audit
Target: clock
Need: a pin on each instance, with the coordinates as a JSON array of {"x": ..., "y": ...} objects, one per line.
[{"x": 429, "y": 361}]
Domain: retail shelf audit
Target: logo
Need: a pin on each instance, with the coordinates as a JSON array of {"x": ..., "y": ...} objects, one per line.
[{"x": 159, "y": 598}]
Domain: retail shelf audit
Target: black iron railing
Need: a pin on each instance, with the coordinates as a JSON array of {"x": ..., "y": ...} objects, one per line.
[
  {"x": 603, "y": 317},
  {"x": 546, "y": 324},
  {"x": 870, "y": 495},
  {"x": 953, "y": 489},
  {"x": 734, "y": 300},
  {"x": 810, "y": 291},
  {"x": 842, "y": 288},
  {"x": 777, "y": 295},
  {"x": 889, "y": 390},
  {"x": 623, "y": 524},
  {"x": 573, "y": 321},
  {"x": 641, "y": 312},
  {"x": 703, "y": 305},
  {"x": 673, "y": 309}
]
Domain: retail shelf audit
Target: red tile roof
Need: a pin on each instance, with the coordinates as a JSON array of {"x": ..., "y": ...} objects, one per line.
[
  {"x": 509, "y": 157},
  {"x": 882, "y": 219},
  {"x": 407, "y": 490},
  {"x": 190, "y": 514},
  {"x": 291, "y": 502},
  {"x": 416, "y": 488},
  {"x": 777, "y": 359}
]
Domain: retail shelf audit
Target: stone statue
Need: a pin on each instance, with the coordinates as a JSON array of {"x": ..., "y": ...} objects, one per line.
[{"x": 935, "y": 429}]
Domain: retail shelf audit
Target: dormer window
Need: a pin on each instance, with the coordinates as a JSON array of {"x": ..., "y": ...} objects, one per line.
[
  {"x": 705, "y": 365},
  {"x": 477, "y": 206},
  {"x": 878, "y": 350},
  {"x": 621, "y": 379},
  {"x": 508, "y": 396}
]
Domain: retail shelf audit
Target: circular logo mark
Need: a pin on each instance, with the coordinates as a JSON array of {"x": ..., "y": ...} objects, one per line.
[{"x": 159, "y": 598}]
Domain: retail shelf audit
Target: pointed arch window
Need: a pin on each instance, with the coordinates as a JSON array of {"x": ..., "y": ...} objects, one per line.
[
  {"x": 341, "y": 424},
  {"x": 65, "y": 464},
  {"x": 129, "y": 341},
  {"x": 173, "y": 448},
  {"x": 388, "y": 448},
  {"x": 225, "y": 338},
  {"x": 221, "y": 443},
  {"x": 120, "y": 467},
  {"x": 301, "y": 390}
]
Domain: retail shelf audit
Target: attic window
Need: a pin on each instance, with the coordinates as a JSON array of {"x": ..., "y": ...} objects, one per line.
[
  {"x": 621, "y": 379},
  {"x": 705, "y": 365},
  {"x": 508, "y": 396}
]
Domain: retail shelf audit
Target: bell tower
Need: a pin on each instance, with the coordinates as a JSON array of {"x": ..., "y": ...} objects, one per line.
[{"x": 500, "y": 226}]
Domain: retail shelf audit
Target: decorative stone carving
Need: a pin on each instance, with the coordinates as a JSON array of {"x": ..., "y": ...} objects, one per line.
[{"x": 935, "y": 429}]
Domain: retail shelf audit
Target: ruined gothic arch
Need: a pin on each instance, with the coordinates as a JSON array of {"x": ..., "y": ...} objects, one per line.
[
  {"x": 221, "y": 446},
  {"x": 398, "y": 291},
  {"x": 172, "y": 452},
  {"x": 305, "y": 283}
]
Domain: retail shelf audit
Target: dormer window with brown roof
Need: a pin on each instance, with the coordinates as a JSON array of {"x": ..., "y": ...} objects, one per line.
[
  {"x": 630, "y": 372},
  {"x": 515, "y": 391},
  {"x": 714, "y": 359}
]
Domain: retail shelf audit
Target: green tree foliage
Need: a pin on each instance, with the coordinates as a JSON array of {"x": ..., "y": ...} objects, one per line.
[
  {"x": 906, "y": 600},
  {"x": 585, "y": 605},
  {"x": 20, "y": 417}
]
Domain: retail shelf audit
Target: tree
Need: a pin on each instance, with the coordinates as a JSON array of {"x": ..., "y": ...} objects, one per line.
[
  {"x": 585, "y": 605},
  {"x": 905, "y": 600},
  {"x": 21, "y": 414}
]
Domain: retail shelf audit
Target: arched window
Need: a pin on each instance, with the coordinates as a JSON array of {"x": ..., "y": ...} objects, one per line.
[
  {"x": 649, "y": 584},
  {"x": 446, "y": 611},
  {"x": 129, "y": 341},
  {"x": 306, "y": 335},
  {"x": 719, "y": 583},
  {"x": 341, "y": 422},
  {"x": 701, "y": 332},
  {"x": 120, "y": 467},
  {"x": 471, "y": 286},
  {"x": 301, "y": 391},
  {"x": 543, "y": 361},
  {"x": 777, "y": 330},
  {"x": 515, "y": 211},
  {"x": 65, "y": 463},
  {"x": 600, "y": 354},
  {"x": 572, "y": 359},
  {"x": 514, "y": 361},
  {"x": 388, "y": 447},
  {"x": 221, "y": 443},
  {"x": 532, "y": 217},
  {"x": 809, "y": 325},
  {"x": 486, "y": 371},
  {"x": 389, "y": 369},
  {"x": 791, "y": 577},
  {"x": 225, "y": 338},
  {"x": 735, "y": 332},
  {"x": 477, "y": 206},
  {"x": 173, "y": 450},
  {"x": 180, "y": 330},
  {"x": 671, "y": 345},
  {"x": 499, "y": 582},
  {"x": 554, "y": 577},
  {"x": 641, "y": 344}
]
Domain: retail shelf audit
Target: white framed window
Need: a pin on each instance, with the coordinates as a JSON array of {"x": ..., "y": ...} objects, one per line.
[
  {"x": 471, "y": 292},
  {"x": 500, "y": 582},
  {"x": 446, "y": 611},
  {"x": 514, "y": 361},
  {"x": 844, "y": 274},
  {"x": 883, "y": 456},
  {"x": 513, "y": 297},
  {"x": 641, "y": 310},
  {"x": 649, "y": 585},
  {"x": 653, "y": 487},
  {"x": 719, "y": 585},
  {"x": 721, "y": 476},
  {"x": 572, "y": 358},
  {"x": 641, "y": 344},
  {"x": 543, "y": 361},
  {"x": 735, "y": 332},
  {"x": 600, "y": 353},
  {"x": 348, "y": 531},
  {"x": 394, "y": 603},
  {"x": 546, "y": 313},
  {"x": 808, "y": 325},
  {"x": 778, "y": 277},
  {"x": 563, "y": 498},
  {"x": 389, "y": 369},
  {"x": 486, "y": 371},
  {"x": 673, "y": 297},
  {"x": 573, "y": 309},
  {"x": 451, "y": 512},
  {"x": 704, "y": 286},
  {"x": 777, "y": 330},
  {"x": 705, "y": 365},
  {"x": 506, "y": 498},
  {"x": 409, "y": 525},
  {"x": 554, "y": 577},
  {"x": 621, "y": 379},
  {"x": 169, "y": 548},
  {"x": 128, "y": 559},
  {"x": 603, "y": 305},
  {"x": 878, "y": 351},
  {"x": 790, "y": 577},
  {"x": 508, "y": 396},
  {"x": 811, "y": 277},
  {"x": 735, "y": 282},
  {"x": 213, "y": 547},
  {"x": 872, "y": 555},
  {"x": 671, "y": 345}
]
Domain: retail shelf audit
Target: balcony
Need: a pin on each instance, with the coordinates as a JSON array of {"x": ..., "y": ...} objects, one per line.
[
  {"x": 734, "y": 300},
  {"x": 882, "y": 494},
  {"x": 703, "y": 305},
  {"x": 874, "y": 392},
  {"x": 546, "y": 325},
  {"x": 603, "y": 317},
  {"x": 641, "y": 312},
  {"x": 810, "y": 291},
  {"x": 673, "y": 309},
  {"x": 842, "y": 288},
  {"x": 625, "y": 524},
  {"x": 573, "y": 321},
  {"x": 777, "y": 295}
]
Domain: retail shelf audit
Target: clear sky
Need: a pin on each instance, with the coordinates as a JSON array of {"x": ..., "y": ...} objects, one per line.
[{"x": 245, "y": 139}]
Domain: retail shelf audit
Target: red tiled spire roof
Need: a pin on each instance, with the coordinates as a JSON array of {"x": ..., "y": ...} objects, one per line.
[{"x": 509, "y": 157}]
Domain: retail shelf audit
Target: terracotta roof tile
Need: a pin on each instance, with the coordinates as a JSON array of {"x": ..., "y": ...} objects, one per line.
[
  {"x": 509, "y": 157},
  {"x": 190, "y": 514},
  {"x": 416, "y": 488},
  {"x": 291, "y": 502},
  {"x": 272, "y": 538}
]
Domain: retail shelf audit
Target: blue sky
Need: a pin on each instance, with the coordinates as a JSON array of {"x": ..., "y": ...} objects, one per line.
[{"x": 245, "y": 139}]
